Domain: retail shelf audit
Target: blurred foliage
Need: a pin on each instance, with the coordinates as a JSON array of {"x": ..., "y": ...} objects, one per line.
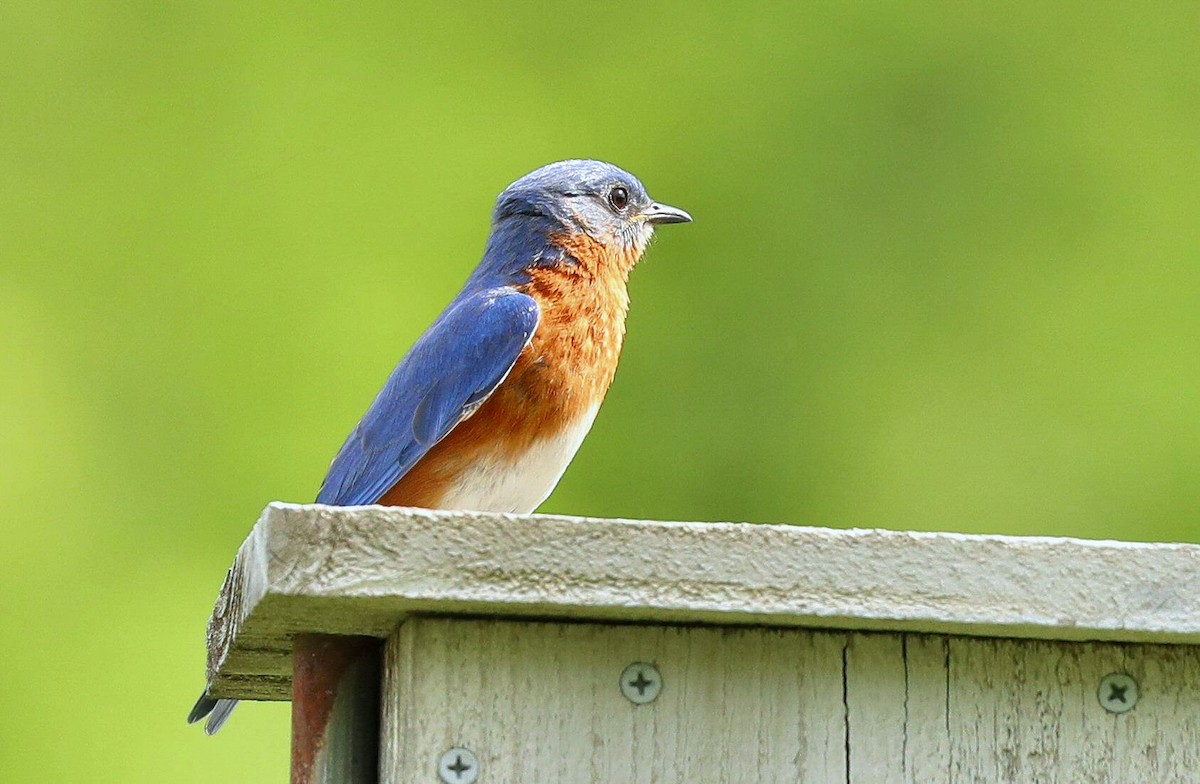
[{"x": 943, "y": 275}]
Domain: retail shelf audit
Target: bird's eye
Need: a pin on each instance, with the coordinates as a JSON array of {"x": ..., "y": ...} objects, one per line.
[{"x": 618, "y": 197}]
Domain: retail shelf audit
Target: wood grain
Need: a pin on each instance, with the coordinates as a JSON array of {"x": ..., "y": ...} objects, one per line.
[
  {"x": 540, "y": 702},
  {"x": 876, "y": 703},
  {"x": 926, "y": 729},
  {"x": 1028, "y": 711},
  {"x": 362, "y": 571}
]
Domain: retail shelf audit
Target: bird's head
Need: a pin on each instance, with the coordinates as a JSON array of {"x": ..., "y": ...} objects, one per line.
[{"x": 588, "y": 208}]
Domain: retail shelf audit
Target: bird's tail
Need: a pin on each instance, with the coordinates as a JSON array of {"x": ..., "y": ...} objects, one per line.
[{"x": 217, "y": 712}]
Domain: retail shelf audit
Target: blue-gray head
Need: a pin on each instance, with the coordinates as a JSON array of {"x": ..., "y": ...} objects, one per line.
[{"x": 586, "y": 199}]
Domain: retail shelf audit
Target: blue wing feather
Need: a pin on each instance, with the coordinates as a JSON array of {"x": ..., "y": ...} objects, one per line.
[{"x": 448, "y": 373}]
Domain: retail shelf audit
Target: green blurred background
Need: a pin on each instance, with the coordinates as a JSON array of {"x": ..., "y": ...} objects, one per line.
[{"x": 943, "y": 275}]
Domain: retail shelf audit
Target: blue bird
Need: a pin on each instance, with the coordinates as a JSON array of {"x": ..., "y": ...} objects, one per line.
[{"x": 490, "y": 404}]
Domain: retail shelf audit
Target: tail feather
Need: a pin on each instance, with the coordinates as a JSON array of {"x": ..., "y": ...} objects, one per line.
[{"x": 217, "y": 712}]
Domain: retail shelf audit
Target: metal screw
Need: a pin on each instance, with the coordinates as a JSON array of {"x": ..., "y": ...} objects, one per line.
[
  {"x": 641, "y": 683},
  {"x": 1118, "y": 692},
  {"x": 458, "y": 766}
]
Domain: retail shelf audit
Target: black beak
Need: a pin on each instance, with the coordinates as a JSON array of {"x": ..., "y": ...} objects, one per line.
[{"x": 663, "y": 213}]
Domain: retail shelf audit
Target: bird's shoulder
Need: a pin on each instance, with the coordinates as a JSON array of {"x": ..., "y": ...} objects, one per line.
[{"x": 465, "y": 352}]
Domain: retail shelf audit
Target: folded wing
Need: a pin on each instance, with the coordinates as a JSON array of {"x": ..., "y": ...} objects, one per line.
[{"x": 447, "y": 374}]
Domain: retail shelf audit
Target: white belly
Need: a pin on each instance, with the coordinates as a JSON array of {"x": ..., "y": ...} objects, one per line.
[{"x": 498, "y": 483}]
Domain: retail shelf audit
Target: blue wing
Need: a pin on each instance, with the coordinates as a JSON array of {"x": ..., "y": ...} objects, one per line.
[{"x": 447, "y": 374}]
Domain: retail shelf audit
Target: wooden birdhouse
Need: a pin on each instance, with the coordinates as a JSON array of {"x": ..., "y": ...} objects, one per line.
[{"x": 459, "y": 647}]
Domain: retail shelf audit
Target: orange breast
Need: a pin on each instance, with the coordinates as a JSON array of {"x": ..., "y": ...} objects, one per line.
[{"x": 563, "y": 373}]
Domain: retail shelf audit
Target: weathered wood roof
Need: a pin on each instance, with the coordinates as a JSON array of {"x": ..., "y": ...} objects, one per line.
[{"x": 362, "y": 570}]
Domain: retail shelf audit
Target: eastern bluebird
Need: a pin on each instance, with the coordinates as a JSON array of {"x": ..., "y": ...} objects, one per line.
[{"x": 488, "y": 407}]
